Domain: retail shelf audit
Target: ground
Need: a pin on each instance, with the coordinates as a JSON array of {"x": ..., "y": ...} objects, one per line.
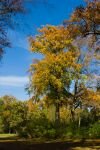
[{"x": 11, "y": 142}]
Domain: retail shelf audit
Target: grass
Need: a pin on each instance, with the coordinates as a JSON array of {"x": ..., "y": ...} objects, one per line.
[
  {"x": 8, "y": 137},
  {"x": 13, "y": 142},
  {"x": 87, "y": 148}
]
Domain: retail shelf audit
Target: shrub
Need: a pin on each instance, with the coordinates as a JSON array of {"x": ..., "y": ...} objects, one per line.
[
  {"x": 94, "y": 131},
  {"x": 50, "y": 133}
]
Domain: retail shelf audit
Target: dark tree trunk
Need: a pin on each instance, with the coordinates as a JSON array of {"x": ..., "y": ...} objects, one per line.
[{"x": 72, "y": 115}]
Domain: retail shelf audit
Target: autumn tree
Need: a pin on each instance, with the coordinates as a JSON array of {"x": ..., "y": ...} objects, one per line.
[
  {"x": 51, "y": 76},
  {"x": 86, "y": 19},
  {"x": 68, "y": 52},
  {"x": 85, "y": 23},
  {"x": 84, "y": 27}
]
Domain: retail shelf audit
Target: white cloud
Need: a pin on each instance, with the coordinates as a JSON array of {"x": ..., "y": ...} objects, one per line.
[{"x": 16, "y": 81}]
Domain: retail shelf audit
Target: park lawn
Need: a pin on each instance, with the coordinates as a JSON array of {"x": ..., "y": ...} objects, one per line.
[
  {"x": 8, "y": 137},
  {"x": 87, "y": 148},
  {"x": 4, "y": 135},
  {"x": 13, "y": 142}
]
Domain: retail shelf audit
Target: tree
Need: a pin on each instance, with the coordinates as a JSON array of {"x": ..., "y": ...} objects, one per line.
[
  {"x": 13, "y": 114},
  {"x": 86, "y": 18},
  {"x": 85, "y": 22},
  {"x": 8, "y": 8},
  {"x": 85, "y": 29},
  {"x": 19, "y": 113},
  {"x": 5, "y": 111},
  {"x": 67, "y": 55},
  {"x": 51, "y": 76}
]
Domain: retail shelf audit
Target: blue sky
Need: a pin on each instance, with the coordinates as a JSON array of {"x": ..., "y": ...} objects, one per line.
[{"x": 16, "y": 60}]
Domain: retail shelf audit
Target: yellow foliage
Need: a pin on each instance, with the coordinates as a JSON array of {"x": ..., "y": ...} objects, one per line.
[
  {"x": 59, "y": 64},
  {"x": 90, "y": 97},
  {"x": 51, "y": 39}
]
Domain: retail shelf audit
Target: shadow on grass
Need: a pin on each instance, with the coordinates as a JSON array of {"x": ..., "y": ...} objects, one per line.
[{"x": 66, "y": 145}]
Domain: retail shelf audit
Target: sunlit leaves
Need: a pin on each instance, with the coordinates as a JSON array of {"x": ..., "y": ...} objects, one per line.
[
  {"x": 59, "y": 62},
  {"x": 52, "y": 39}
]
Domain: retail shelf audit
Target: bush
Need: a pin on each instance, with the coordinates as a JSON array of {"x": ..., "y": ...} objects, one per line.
[
  {"x": 50, "y": 133},
  {"x": 37, "y": 126},
  {"x": 72, "y": 131},
  {"x": 1, "y": 126},
  {"x": 22, "y": 132},
  {"x": 94, "y": 131}
]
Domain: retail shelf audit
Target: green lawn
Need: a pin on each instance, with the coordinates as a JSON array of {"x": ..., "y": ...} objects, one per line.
[
  {"x": 7, "y": 135},
  {"x": 4, "y": 137},
  {"x": 12, "y": 141}
]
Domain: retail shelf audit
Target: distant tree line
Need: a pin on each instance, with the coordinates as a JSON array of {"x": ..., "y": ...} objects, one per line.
[{"x": 32, "y": 120}]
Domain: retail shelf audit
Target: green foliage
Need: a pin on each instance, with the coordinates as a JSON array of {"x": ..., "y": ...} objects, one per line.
[
  {"x": 13, "y": 113},
  {"x": 1, "y": 126},
  {"x": 94, "y": 130},
  {"x": 19, "y": 115},
  {"x": 36, "y": 125},
  {"x": 31, "y": 120}
]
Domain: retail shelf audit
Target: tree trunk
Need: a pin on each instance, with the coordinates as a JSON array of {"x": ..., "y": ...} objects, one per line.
[
  {"x": 9, "y": 130},
  {"x": 79, "y": 122},
  {"x": 72, "y": 115},
  {"x": 72, "y": 107},
  {"x": 57, "y": 114}
]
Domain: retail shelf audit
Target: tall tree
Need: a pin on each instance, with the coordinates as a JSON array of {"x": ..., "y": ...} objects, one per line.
[
  {"x": 84, "y": 26},
  {"x": 52, "y": 75}
]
